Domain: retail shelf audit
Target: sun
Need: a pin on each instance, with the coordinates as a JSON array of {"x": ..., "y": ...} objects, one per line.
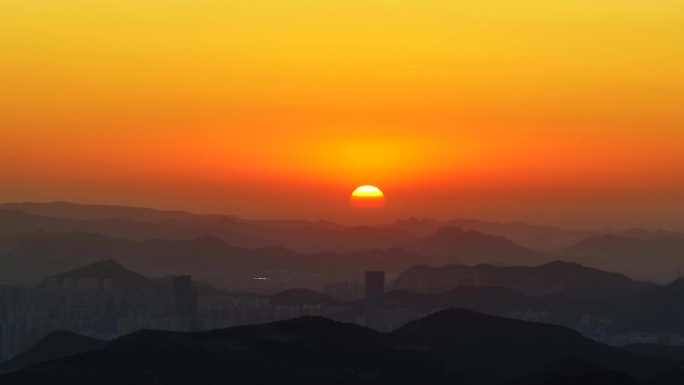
[{"x": 367, "y": 197}]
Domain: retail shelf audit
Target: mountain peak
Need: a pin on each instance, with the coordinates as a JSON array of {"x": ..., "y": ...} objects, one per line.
[
  {"x": 105, "y": 269},
  {"x": 449, "y": 231}
]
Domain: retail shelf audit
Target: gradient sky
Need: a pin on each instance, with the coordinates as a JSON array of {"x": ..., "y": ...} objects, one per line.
[{"x": 567, "y": 112}]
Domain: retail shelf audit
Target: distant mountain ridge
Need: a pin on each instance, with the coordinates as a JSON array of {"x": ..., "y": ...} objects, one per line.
[
  {"x": 302, "y": 236},
  {"x": 448, "y": 241},
  {"x": 33, "y": 256},
  {"x": 475, "y": 247},
  {"x": 524, "y": 244},
  {"x": 549, "y": 239},
  {"x": 657, "y": 259},
  {"x": 555, "y": 277}
]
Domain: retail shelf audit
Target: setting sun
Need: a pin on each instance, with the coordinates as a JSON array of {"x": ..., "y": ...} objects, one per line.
[{"x": 367, "y": 197}]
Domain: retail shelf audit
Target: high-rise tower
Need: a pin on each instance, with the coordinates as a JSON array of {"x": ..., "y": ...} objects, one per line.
[
  {"x": 374, "y": 297},
  {"x": 185, "y": 297}
]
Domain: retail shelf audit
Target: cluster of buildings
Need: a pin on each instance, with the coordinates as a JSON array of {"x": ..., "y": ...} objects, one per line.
[
  {"x": 109, "y": 308},
  {"x": 106, "y": 309}
]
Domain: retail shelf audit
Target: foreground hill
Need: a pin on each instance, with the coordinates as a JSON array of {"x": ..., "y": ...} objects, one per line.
[
  {"x": 555, "y": 277},
  {"x": 658, "y": 311},
  {"x": 452, "y": 346},
  {"x": 662, "y": 352},
  {"x": 475, "y": 343},
  {"x": 574, "y": 371},
  {"x": 55, "y": 345}
]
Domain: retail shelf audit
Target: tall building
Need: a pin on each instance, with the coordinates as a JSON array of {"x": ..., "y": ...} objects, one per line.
[
  {"x": 374, "y": 298},
  {"x": 185, "y": 297}
]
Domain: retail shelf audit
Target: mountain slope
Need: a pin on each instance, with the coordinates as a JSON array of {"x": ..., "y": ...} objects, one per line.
[
  {"x": 655, "y": 259},
  {"x": 55, "y": 345},
  {"x": 555, "y": 277},
  {"x": 543, "y": 238},
  {"x": 474, "y": 247},
  {"x": 302, "y": 236},
  {"x": 662, "y": 352},
  {"x": 452, "y": 346},
  {"x": 478, "y": 342}
]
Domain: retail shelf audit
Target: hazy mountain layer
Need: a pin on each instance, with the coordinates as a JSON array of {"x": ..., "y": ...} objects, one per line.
[
  {"x": 556, "y": 277},
  {"x": 27, "y": 258},
  {"x": 656, "y": 259}
]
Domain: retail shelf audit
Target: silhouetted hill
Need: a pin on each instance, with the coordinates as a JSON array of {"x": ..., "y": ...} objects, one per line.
[
  {"x": 575, "y": 371},
  {"x": 479, "y": 342},
  {"x": 555, "y": 277},
  {"x": 55, "y": 345},
  {"x": 662, "y": 352},
  {"x": 474, "y": 247},
  {"x": 672, "y": 377},
  {"x": 657, "y": 311},
  {"x": 653, "y": 258},
  {"x": 498, "y": 301},
  {"x": 301, "y": 297},
  {"x": 307, "y": 350},
  {"x": 452, "y": 346}
]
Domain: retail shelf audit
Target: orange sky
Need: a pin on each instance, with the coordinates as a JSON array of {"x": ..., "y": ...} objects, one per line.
[{"x": 566, "y": 112}]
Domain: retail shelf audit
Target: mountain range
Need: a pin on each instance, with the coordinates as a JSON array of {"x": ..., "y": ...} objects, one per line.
[
  {"x": 643, "y": 254},
  {"x": 29, "y": 257}
]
